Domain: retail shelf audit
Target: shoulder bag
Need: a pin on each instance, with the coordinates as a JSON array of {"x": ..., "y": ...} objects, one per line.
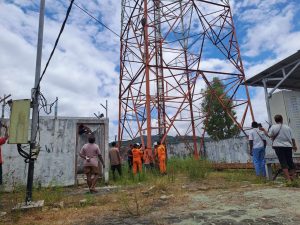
[{"x": 276, "y": 135}]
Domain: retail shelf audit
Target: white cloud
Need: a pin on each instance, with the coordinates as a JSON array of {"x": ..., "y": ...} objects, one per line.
[
  {"x": 268, "y": 25},
  {"x": 254, "y": 68},
  {"x": 259, "y": 106},
  {"x": 82, "y": 72},
  {"x": 267, "y": 35},
  {"x": 214, "y": 64},
  {"x": 270, "y": 36}
]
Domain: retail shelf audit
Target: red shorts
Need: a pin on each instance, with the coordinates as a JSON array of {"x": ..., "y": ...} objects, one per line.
[{"x": 91, "y": 170}]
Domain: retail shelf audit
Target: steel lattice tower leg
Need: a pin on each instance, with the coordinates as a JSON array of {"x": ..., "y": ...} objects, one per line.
[{"x": 170, "y": 51}]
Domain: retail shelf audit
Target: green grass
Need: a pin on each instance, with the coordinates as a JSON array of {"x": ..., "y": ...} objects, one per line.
[
  {"x": 177, "y": 168},
  {"x": 240, "y": 175},
  {"x": 294, "y": 183},
  {"x": 51, "y": 194},
  {"x": 189, "y": 167},
  {"x": 128, "y": 178},
  {"x": 194, "y": 169}
]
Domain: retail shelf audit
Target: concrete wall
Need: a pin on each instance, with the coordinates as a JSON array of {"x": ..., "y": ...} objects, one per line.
[
  {"x": 180, "y": 149},
  {"x": 234, "y": 150},
  {"x": 58, "y": 160}
]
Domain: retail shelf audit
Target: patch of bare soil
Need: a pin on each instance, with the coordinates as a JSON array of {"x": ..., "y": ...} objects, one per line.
[{"x": 180, "y": 202}]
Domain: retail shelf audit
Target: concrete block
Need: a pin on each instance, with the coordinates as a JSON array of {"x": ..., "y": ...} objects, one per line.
[
  {"x": 81, "y": 181},
  {"x": 30, "y": 206}
]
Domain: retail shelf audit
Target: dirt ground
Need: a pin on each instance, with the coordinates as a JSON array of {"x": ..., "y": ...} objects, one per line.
[{"x": 210, "y": 201}]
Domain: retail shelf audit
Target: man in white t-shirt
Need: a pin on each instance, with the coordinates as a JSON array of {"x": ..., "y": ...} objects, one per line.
[
  {"x": 283, "y": 144},
  {"x": 257, "y": 142}
]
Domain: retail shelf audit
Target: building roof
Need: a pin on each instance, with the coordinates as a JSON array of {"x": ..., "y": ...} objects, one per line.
[{"x": 276, "y": 71}]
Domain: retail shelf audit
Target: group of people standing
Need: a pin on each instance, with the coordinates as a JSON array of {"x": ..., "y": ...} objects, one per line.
[
  {"x": 136, "y": 157},
  {"x": 283, "y": 142}
]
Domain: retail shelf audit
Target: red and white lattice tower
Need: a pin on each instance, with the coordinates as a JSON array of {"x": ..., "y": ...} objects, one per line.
[{"x": 170, "y": 51}]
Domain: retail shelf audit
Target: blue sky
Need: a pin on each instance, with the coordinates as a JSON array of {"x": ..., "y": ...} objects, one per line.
[{"x": 84, "y": 70}]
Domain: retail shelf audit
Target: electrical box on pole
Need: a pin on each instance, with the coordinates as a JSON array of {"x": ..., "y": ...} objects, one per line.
[{"x": 19, "y": 122}]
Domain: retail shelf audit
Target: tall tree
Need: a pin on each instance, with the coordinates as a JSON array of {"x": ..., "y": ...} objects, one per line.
[{"x": 218, "y": 123}]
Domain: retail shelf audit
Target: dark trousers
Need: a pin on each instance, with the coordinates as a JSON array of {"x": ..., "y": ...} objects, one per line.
[
  {"x": 129, "y": 165},
  {"x": 0, "y": 174},
  {"x": 285, "y": 157},
  {"x": 118, "y": 168}
]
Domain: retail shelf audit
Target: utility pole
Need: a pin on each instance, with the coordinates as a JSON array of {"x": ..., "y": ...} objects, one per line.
[
  {"x": 3, "y": 107},
  {"x": 35, "y": 104},
  {"x": 3, "y": 100},
  {"x": 105, "y": 107},
  {"x": 56, "y": 108}
]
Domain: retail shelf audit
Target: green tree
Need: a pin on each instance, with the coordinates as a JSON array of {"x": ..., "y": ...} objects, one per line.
[{"x": 218, "y": 124}]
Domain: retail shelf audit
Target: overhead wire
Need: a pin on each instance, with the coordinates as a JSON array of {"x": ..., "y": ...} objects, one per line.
[
  {"x": 90, "y": 15},
  {"x": 62, "y": 29},
  {"x": 42, "y": 99},
  {"x": 44, "y": 104},
  {"x": 57, "y": 39}
]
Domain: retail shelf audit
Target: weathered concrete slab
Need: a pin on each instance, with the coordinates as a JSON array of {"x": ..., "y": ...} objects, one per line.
[{"x": 30, "y": 206}]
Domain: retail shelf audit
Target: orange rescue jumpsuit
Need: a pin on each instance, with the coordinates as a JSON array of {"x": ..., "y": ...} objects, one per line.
[
  {"x": 161, "y": 153},
  {"x": 137, "y": 160}
]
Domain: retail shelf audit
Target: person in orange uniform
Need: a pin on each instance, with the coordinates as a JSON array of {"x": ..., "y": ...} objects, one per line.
[
  {"x": 161, "y": 153},
  {"x": 155, "y": 158},
  {"x": 137, "y": 155}
]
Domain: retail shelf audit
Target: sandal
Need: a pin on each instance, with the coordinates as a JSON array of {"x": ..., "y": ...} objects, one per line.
[{"x": 93, "y": 191}]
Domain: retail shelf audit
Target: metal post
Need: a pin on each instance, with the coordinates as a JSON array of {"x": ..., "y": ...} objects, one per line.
[
  {"x": 285, "y": 76},
  {"x": 267, "y": 101},
  {"x": 2, "y": 118},
  {"x": 106, "y": 109},
  {"x": 190, "y": 97},
  {"x": 147, "y": 75},
  {"x": 241, "y": 66},
  {"x": 35, "y": 103},
  {"x": 56, "y": 108},
  {"x": 3, "y": 107}
]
